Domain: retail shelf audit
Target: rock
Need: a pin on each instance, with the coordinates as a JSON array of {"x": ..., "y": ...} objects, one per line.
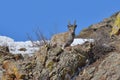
[
  {"x": 48, "y": 63},
  {"x": 55, "y": 51},
  {"x": 59, "y": 63},
  {"x": 22, "y": 49},
  {"x": 12, "y": 71},
  {"x": 4, "y": 48},
  {"x": 41, "y": 55},
  {"x": 4, "y": 51},
  {"x": 18, "y": 56},
  {"x": 107, "y": 25},
  {"x": 116, "y": 26},
  {"x": 107, "y": 69}
]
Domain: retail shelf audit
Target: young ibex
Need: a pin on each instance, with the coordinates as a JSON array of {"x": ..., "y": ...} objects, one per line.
[{"x": 64, "y": 39}]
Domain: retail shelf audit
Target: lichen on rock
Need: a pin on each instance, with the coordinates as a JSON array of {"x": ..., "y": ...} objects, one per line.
[{"x": 116, "y": 27}]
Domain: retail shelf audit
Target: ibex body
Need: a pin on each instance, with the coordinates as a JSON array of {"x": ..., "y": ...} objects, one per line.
[{"x": 64, "y": 39}]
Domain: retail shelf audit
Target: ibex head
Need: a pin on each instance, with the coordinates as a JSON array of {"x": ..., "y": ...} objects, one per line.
[{"x": 72, "y": 27}]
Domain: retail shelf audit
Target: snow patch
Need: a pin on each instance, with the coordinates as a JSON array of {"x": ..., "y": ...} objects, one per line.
[
  {"x": 15, "y": 47},
  {"x": 29, "y": 47},
  {"x": 5, "y": 41},
  {"x": 80, "y": 41}
]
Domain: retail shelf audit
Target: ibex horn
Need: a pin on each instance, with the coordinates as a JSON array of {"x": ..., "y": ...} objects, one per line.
[
  {"x": 69, "y": 23},
  {"x": 75, "y": 22}
]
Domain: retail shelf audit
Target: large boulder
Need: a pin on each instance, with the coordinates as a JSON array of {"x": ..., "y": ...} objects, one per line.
[{"x": 12, "y": 71}]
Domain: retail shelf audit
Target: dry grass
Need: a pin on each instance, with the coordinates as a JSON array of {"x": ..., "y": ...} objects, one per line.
[
  {"x": 41, "y": 39},
  {"x": 100, "y": 46}
]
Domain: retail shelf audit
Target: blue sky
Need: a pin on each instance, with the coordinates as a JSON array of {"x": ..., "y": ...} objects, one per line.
[{"x": 21, "y": 17}]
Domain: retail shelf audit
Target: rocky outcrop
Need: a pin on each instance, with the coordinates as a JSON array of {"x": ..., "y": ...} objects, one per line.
[
  {"x": 5, "y": 56},
  {"x": 12, "y": 71},
  {"x": 107, "y": 25},
  {"x": 106, "y": 69},
  {"x": 116, "y": 26},
  {"x": 49, "y": 63},
  {"x": 107, "y": 66},
  {"x": 4, "y": 49}
]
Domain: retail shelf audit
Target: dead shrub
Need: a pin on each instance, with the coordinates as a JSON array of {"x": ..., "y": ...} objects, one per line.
[
  {"x": 100, "y": 46},
  {"x": 41, "y": 39}
]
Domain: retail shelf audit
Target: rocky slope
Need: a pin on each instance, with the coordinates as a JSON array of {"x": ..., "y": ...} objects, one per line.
[
  {"x": 106, "y": 26},
  {"x": 96, "y": 60},
  {"x": 108, "y": 66},
  {"x": 47, "y": 64}
]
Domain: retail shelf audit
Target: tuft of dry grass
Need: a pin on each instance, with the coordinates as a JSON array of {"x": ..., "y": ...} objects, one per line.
[
  {"x": 41, "y": 39},
  {"x": 100, "y": 46}
]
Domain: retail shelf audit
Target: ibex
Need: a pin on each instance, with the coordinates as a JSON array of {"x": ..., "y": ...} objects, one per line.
[{"x": 64, "y": 39}]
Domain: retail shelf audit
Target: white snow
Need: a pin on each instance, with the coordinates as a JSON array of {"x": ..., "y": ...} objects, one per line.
[
  {"x": 15, "y": 46},
  {"x": 28, "y": 45},
  {"x": 5, "y": 41},
  {"x": 80, "y": 41}
]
